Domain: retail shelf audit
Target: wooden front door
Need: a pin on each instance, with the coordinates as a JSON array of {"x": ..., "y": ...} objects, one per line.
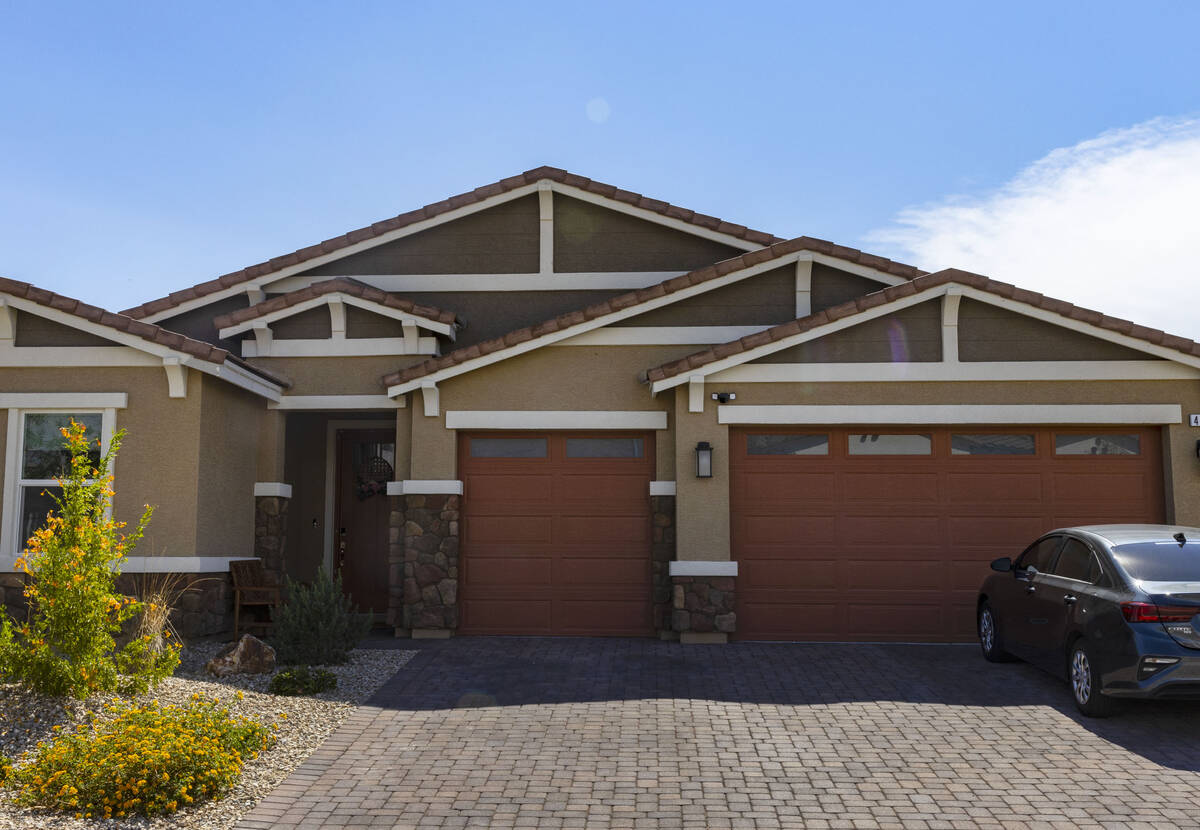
[{"x": 366, "y": 461}]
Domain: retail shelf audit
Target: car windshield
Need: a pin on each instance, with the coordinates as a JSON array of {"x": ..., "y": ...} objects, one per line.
[{"x": 1160, "y": 561}]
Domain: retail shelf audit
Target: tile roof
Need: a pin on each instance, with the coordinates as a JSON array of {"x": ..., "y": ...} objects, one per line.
[
  {"x": 479, "y": 194},
  {"x": 916, "y": 286},
  {"x": 662, "y": 289},
  {"x": 124, "y": 323},
  {"x": 340, "y": 285}
]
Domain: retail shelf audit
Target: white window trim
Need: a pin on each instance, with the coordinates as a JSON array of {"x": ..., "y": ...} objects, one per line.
[
  {"x": 336, "y": 402},
  {"x": 86, "y": 404}
]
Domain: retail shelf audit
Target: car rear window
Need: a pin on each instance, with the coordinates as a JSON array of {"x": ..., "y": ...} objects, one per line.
[{"x": 1160, "y": 561}]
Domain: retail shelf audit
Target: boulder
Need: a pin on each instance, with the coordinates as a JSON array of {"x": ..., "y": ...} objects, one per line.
[{"x": 248, "y": 655}]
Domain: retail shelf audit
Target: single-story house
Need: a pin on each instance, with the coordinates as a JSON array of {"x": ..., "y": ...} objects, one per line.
[{"x": 551, "y": 406}]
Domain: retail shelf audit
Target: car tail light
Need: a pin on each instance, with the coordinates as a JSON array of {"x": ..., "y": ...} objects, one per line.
[{"x": 1148, "y": 612}]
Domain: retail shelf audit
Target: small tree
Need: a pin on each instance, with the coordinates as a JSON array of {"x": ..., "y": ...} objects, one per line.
[
  {"x": 318, "y": 625},
  {"x": 69, "y": 646}
]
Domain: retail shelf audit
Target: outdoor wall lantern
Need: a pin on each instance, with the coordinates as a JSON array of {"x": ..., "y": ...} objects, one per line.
[{"x": 704, "y": 460}]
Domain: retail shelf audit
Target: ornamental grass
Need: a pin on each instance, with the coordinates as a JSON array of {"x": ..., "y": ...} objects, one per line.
[{"x": 141, "y": 760}]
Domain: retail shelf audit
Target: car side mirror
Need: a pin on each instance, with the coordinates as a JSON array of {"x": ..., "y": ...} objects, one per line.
[{"x": 1003, "y": 564}]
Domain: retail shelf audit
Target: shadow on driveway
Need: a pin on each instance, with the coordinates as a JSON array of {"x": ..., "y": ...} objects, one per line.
[{"x": 469, "y": 672}]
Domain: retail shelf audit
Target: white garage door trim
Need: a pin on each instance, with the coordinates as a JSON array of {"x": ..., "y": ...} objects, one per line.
[
  {"x": 555, "y": 419},
  {"x": 955, "y": 414}
]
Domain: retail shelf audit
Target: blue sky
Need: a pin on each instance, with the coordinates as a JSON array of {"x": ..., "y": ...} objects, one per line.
[{"x": 146, "y": 147}]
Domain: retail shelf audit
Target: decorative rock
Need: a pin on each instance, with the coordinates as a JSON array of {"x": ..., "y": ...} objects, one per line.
[
  {"x": 429, "y": 595},
  {"x": 248, "y": 655}
]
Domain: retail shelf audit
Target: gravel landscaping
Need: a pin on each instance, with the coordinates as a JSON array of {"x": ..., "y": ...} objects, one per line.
[{"x": 303, "y": 724}]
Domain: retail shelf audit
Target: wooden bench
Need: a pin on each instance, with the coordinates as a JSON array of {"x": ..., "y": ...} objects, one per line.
[{"x": 253, "y": 588}]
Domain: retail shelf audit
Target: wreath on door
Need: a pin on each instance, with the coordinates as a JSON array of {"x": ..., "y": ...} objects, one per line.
[{"x": 372, "y": 478}]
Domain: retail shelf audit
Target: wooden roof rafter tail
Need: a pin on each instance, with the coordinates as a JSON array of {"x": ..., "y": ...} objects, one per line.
[
  {"x": 976, "y": 286},
  {"x": 125, "y": 330},
  {"x": 435, "y": 213},
  {"x": 444, "y": 322},
  {"x": 637, "y": 302}
]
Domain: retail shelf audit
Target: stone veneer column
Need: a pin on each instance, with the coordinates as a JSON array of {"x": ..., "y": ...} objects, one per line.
[
  {"x": 430, "y": 533},
  {"x": 702, "y": 608},
  {"x": 270, "y": 532},
  {"x": 662, "y": 551}
]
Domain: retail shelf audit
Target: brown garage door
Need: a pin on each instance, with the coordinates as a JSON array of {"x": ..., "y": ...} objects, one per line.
[
  {"x": 881, "y": 533},
  {"x": 556, "y": 533}
]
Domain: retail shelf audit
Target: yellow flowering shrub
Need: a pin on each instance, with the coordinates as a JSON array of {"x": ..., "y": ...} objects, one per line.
[
  {"x": 68, "y": 646},
  {"x": 144, "y": 760},
  {"x": 5, "y": 769}
]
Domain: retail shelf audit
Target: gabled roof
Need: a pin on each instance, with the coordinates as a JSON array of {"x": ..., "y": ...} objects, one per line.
[
  {"x": 124, "y": 325},
  {"x": 630, "y": 301},
  {"x": 686, "y": 366},
  {"x": 430, "y": 211},
  {"x": 340, "y": 285}
]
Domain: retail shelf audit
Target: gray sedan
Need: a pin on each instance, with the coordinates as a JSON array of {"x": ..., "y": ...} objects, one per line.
[{"x": 1115, "y": 609}]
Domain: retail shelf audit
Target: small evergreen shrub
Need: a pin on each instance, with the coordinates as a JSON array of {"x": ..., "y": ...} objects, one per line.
[
  {"x": 302, "y": 680},
  {"x": 318, "y": 625},
  {"x": 68, "y": 646},
  {"x": 143, "y": 760}
]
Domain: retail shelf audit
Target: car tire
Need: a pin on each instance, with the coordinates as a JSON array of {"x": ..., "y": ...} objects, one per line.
[
  {"x": 1085, "y": 683},
  {"x": 988, "y": 628}
]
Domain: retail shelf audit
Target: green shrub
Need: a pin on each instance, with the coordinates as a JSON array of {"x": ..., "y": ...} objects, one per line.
[
  {"x": 318, "y": 625},
  {"x": 146, "y": 760},
  {"x": 68, "y": 646},
  {"x": 302, "y": 680}
]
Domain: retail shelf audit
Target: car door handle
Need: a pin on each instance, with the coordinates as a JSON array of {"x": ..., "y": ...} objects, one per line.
[
  {"x": 1029, "y": 589},
  {"x": 1070, "y": 599}
]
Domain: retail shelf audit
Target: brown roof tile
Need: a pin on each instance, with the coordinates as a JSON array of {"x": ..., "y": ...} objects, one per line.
[
  {"x": 435, "y": 209},
  {"x": 916, "y": 286},
  {"x": 124, "y": 323},
  {"x": 671, "y": 286},
  {"x": 340, "y": 285}
]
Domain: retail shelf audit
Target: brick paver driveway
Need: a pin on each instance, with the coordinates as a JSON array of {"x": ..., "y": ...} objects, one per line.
[{"x": 636, "y": 733}]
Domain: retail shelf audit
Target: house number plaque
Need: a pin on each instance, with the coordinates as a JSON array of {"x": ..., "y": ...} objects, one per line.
[{"x": 1195, "y": 419}]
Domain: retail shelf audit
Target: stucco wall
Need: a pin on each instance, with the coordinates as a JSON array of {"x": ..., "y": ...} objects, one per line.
[
  {"x": 228, "y": 438},
  {"x": 336, "y": 375}
]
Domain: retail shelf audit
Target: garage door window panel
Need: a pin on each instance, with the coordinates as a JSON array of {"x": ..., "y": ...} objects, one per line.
[
  {"x": 993, "y": 444},
  {"x": 788, "y": 445},
  {"x": 1106, "y": 444},
  {"x": 605, "y": 447},
  {"x": 508, "y": 448},
  {"x": 916, "y": 443}
]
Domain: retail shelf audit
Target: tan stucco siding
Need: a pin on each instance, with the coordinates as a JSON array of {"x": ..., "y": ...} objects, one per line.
[
  {"x": 552, "y": 378},
  {"x": 336, "y": 375},
  {"x": 499, "y": 240},
  {"x": 912, "y": 335},
  {"x": 989, "y": 333},
  {"x": 762, "y": 300},
  {"x": 229, "y": 421},
  {"x": 590, "y": 238},
  {"x": 158, "y": 463},
  {"x": 701, "y": 504},
  {"x": 272, "y": 445}
]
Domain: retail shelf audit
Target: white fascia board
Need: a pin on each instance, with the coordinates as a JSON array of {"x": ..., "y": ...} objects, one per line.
[
  {"x": 391, "y": 236},
  {"x": 1057, "y": 370},
  {"x": 64, "y": 400},
  {"x": 163, "y": 564},
  {"x": 662, "y": 488},
  {"x": 661, "y": 335},
  {"x": 548, "y": 419},
  {"x": 796, "y": 339},
  {"x": 1080, "y": 326},
  {"x": 275, "y": 489},
  {"x": 329, "y": 300},
  {"x": 966, "y": 414},
  {"x": 294, "y": 402},
  {"x": 350, "y": 347},
  {"x": 48, "y": 356},
  {"x": 651, "y": 216},
  {"x": 591, "y": 325},
  {"x": 578, "y": 281},
  {"x": 425, "y": 487},
  {"x": 694, "y": 567},
  {"x": 243, "y": 378},
  {"x": 855, "y": 268}
]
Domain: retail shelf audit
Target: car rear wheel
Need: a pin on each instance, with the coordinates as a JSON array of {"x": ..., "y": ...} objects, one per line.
[
  {"x": 989, "y": 636},
  {"x": 1085, "y": 684}
]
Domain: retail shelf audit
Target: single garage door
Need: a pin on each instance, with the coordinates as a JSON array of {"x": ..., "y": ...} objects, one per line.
[
  {"x": 556, "y": 533},
  {"x": 879, "y": 533}
]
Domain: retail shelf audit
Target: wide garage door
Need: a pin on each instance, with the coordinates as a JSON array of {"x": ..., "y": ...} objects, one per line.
[
  {"x": 556, "y": 533},
  {"x": 885, "y": 534}
]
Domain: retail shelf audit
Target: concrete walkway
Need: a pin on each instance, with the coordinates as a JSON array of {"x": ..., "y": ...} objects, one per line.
[{"x": 524, "y": 732}]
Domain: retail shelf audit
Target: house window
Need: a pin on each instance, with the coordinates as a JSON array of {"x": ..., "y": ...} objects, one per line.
[{"x": 37, "y": 458}]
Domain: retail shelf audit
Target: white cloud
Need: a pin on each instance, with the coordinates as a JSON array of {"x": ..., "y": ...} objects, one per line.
[{"x": 1112, "y": 223}]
